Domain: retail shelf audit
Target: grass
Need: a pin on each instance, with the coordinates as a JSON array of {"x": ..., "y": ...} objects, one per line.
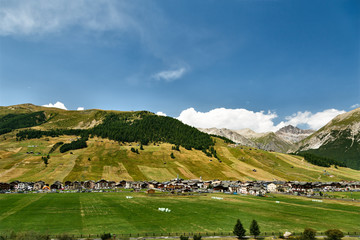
[
  {"x": 93, "y": 213},
  {"x": 105, "y": 159}
]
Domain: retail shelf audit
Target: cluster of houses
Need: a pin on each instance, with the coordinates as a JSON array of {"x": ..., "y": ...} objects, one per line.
[{"x": 181, "y": 185}]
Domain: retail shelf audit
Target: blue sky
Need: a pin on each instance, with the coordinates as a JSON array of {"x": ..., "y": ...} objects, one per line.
[{"x": 275, "y": 61}]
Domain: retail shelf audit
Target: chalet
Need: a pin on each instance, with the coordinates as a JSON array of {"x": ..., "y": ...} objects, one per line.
[
  {"x": 68, "y": 184},
  {"x": 271, "y": 187},
  {"x": 39, "y": 185},
  {"x": 128, "y": 184},
  {"x": 222, "y": 187},
  {"x": 56, "y": 185},
  {"x": 112, "y": 184},
  {"x": 24, "y": 186},
  {"x": 89, "y": 184},
  {"x": 14, "y": 185},
  {"x": 102, "y": 184},
  {"x": 153, "y": 184},
  {"x": 121, "y": 184},
  {"x": 257, "y": 191},
  {"x": 5, "y": 186},
  {"x": 76, "y": 185}
]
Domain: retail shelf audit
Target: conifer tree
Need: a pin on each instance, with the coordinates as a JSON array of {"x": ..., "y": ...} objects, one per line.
[
  {"x": 239, "y": 230},
  {"x": 254, "y": 228}
]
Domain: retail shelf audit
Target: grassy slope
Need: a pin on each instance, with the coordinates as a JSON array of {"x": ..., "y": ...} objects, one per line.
[
  {"x": 112, "y": 161},
  {"x": 90, "y": 213},
  {"x": 345, "y": 147}
]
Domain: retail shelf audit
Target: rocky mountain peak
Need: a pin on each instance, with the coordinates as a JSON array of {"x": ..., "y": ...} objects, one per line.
[
  {"x": 293, "y": 130},
  {"x": 293, "y": 134}
]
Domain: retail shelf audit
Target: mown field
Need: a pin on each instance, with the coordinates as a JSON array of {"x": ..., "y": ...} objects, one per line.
[
  {"x": 105, "y": 159},
  {"x": 94, "y": 213}
]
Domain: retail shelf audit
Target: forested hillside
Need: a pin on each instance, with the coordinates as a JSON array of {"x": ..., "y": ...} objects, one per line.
[
  {"x": 10, "y": 122},
  {"x": 143, "y": 127}
]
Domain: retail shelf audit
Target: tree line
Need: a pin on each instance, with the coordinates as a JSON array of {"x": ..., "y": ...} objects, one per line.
[
  {"x": 308, "y": 234},
  {"x": 320, "y": 161},
  {"x": 144, "y": 128},
  {"x": 11, "y": 122}
]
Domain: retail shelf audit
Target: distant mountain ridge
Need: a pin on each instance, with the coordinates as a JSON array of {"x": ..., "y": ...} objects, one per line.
[
  {"x": 281, "y": 141},
  {"x": 293, "y": 134},
  {"x": 339, "y": 139}
]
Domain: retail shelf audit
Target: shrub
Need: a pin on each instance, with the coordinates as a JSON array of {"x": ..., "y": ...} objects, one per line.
[
  {"x": 105, "y": 236},
  {"x": 334, "y": 234},
  {"x": 197, "y": 237},
  {"x": 308, "y": 234},
  {"x": 65, "y": 237},
  {"x": 29, "y": 236},
  {"x": 184, "y": 237}
]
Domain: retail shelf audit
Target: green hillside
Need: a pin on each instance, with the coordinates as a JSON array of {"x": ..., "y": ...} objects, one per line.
[
  {"x": 107, "y": 159},
  {"x": 338, "y": 140},
  {"x": 138, "y": 146}
]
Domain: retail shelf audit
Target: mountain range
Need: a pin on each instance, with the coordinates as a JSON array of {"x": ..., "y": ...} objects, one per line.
[
  {"x": 338, "y": 140},
  {"x": 284, "y": 140},
  {"x": 40, "y": 143}
]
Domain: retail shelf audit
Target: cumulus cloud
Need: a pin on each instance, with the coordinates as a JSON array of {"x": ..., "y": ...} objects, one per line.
[
  {"x": 80, "y": 109},
  {"x": 42, "y": 16},
  {"x": 314, "y": 121},
  {"x": 170, "y": 75},
  {"x": 355, "y": 106},
  {"x": 257, "y": 121},
  {"x": 56, "y": 105},
  {"x": 229, "y": 118},
  {"x": 161, "y": 114}
]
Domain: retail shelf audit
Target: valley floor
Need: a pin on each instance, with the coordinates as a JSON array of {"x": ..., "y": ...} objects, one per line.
[{"x": 96, "y": 213}]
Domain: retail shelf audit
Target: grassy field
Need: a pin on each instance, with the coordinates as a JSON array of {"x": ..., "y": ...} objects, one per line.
[
  {"x": 105, "y": 159},
  {"x": 93, "y": 213}
]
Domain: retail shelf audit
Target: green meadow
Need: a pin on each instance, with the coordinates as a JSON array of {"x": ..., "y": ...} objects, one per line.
[{"x": 95, "y": 213}]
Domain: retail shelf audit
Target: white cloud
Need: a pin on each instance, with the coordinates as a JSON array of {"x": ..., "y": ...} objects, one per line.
[
  {"x": 257, "y": 121},
  {"x": 355, "y": 106},
  {"x": 161, "y": 114},
  {"x": 170, "y": 75},
  {"x": 80, "y": 109},
  {"x": 56, "y": 105},
  {"x": 42, "y": 16},
  {"x": 314, "y": 121},
  {"x": 229, "y": 118}
]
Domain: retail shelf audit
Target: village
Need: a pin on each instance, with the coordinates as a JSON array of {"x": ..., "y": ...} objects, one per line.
[{"x": 178, "y": 185}]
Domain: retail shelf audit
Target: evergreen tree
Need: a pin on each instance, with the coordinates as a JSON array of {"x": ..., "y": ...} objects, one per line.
[
  {"x": 254, "y": 228},
  {"x": 172, "y": 155},
  {"x": 141, "y": 147},
  {"x": 239, "y": 230}
]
